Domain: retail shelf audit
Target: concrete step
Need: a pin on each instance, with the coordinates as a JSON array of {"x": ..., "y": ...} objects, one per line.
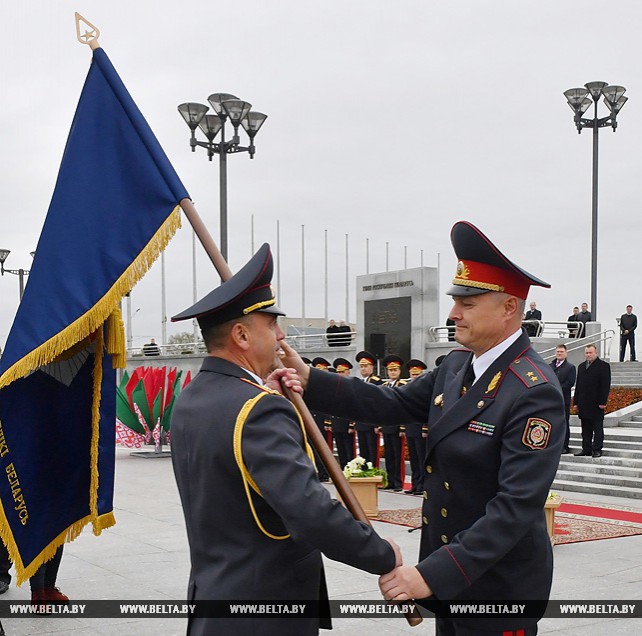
[
  {"x": 632, "y": 423},
  {"x": 605, "y": 460},
  {"x": 596, "y": 489},
  {"x": 613, "y": 436},
  {"x": 598, "y": 466},
  {"x": 593, "y": 478}
]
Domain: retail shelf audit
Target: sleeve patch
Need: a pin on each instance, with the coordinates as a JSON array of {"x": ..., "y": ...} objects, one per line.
[{"x": 536, "y": 433}]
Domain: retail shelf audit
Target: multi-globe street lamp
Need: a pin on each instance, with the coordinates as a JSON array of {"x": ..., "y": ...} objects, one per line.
[
  {"x": 580, "y": 100},
  {"x": 226, "y": 107},
  {"x": 21, "y": 273}
]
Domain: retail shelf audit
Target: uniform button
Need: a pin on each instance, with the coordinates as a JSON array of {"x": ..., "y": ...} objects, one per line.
[
  {"x": 425, "y": 520},
  {"x": 444, "y": 512},
  {"x": 446, "y": 485},
  {"x": 444, "y": 538},
  {"x": 429, "y": 469}
]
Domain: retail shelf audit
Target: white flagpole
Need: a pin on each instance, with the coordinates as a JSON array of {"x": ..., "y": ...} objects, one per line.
[
  {"x": 326, "y": 275},
  {"x": 347, "y": 286},
  {"x": 302, "y": 279}
]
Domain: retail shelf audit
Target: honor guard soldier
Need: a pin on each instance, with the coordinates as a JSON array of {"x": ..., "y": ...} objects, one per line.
[
  {"x": 392, "y": 440},
  {"x": 495, "y": 413},
  {"x": 323, "y": 422},
  {"x": 342, "y": 427},
  {"x": 415, "y": 435},
  {"x": 368, "y": 438},
  {"x": 257, "y": 517}
]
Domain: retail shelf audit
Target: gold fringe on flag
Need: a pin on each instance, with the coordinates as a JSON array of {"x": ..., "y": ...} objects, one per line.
[{"x": 91, "y": 320}]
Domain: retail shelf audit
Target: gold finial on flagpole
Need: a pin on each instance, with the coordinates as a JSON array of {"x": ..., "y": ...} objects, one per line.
[{"x": 89, "y": 34}]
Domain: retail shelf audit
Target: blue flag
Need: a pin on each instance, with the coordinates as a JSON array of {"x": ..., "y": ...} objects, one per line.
[{"x": 113, "y": 210}]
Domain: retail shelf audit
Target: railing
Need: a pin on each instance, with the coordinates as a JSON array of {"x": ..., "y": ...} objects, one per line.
[
  {"x": 542, "y": 329},
  {"x": 302, "y": 342},
  {"x": 176, "y": 349},
  {"x": 603, "y": 338}
]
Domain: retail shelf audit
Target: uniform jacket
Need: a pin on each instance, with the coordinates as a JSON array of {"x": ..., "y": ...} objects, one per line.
[
  {"x": 368, "y": 426},
  {"x": 231, "y": 558},
  {"x": 566, "y": 375},
  {"x": 491, "y": 456},
  {"x": 592, "y": 388},
  {"x": 395, "y": 428}
]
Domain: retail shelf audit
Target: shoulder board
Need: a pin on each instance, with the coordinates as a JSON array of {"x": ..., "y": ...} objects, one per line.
[
  {"x": 402, "y": 382},
  {"x": 527, "y": 372},
  {"x": 263, "y": 388},
  {"x": 375, "y": 378}
]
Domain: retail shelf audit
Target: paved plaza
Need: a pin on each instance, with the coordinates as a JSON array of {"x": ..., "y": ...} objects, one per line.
[{"x": 145, "y": 557}]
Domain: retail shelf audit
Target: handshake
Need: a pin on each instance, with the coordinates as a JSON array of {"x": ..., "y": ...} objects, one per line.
[{"x": 404, "y": 582}]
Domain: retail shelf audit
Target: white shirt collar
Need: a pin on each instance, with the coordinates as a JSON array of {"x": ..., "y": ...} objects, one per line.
[
  {"x": 486, "y": 359},
  {"x": 256, "y": 377}
]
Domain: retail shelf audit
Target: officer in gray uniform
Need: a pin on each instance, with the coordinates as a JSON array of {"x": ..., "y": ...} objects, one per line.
[
  {"x": 495, "y": 414},
  {"x": 257, "y": 517}
]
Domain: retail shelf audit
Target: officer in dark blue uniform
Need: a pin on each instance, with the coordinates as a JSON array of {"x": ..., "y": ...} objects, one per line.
[
  {"x": 495, "y": 414},
  {"x": 343, "y": 427},
  {"x": 257, "y": 517},
  {"x": 392, "y": 440},
  {"x": 368, "y": 438},
  {"x": 323, "y": 422},
  {"x": 415, "y": 435}
]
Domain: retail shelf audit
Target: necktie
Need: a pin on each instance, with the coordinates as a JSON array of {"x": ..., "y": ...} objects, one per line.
[{"x": 469, "y": 378}]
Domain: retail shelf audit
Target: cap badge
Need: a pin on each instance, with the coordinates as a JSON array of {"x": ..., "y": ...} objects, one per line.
[{"x": 462, "y": 270}]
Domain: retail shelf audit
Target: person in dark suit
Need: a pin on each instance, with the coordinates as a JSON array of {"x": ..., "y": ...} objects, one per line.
[
  {"x": 495, "y": 413},
  {"x": 584, "y": 316},
  {"x": 532, "y": 314},
  {"x": 332, "y": 334},
  {"x": 415, "y": 435},
  {"x": 392, "y": 440},
  {"x": 628, "y": 325},
  {"x": 566, "y": 375},
  {"x": 574, "y": 329},
  {"x": 257, "y": 517},
  {"x": 591, "y": 394},
  {"x": 345, "y": 334},
  {"x": 368, "y": 438},
  {"x": 342, "y": 427}
]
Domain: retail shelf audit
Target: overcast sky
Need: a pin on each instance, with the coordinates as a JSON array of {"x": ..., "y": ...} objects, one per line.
[{"x": 389, "y": 120}]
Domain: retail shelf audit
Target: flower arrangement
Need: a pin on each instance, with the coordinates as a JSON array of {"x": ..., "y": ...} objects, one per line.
[{"x": 358, "y": 467}]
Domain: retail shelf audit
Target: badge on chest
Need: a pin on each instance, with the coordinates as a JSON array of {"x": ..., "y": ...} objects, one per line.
[{"x": 482, "y": 428}]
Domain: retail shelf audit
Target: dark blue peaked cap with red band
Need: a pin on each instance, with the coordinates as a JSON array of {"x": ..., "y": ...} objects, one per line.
[
  {"x": 249, "y": 290},
  {"x": 482, "y": 267}
]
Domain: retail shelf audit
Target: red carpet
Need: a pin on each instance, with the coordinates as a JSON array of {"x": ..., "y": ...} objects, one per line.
[{"x": 574, "y": 522}]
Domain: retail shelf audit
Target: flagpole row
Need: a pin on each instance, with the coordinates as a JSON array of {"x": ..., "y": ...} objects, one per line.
[{"x": 311, "y": 429}]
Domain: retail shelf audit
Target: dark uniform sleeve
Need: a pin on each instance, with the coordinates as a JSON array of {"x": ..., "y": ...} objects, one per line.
[
  {"x": 523, "y": 484},
  {"x": 366, "y": 402},
  {"x": 273, "y": 452}
]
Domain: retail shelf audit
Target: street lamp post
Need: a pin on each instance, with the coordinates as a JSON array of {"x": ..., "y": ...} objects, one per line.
[
  {"x": 580, "y": 100},
  {"x": 21, "y": 273},
  {"x": 226, "y": 107}
]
